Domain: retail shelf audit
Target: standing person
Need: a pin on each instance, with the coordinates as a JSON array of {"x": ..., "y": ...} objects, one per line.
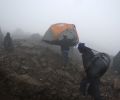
[
  {"x": 8, "y": 44},
  {"x": 93, "y": 88},
  {"x": 65, "y": 47}
]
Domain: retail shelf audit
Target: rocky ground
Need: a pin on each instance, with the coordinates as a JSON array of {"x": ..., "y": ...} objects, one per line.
[{"x": 33, "y": 72}]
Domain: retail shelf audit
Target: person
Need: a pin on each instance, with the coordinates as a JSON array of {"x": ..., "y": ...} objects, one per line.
[
  {"x": 65, "y": 44},
  {"x": 93, "y": 88},
  {"x": 8, "y": 44}
]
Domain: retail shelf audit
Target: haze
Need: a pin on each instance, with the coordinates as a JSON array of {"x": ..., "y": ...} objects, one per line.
[{"x": 97, "y": 21}]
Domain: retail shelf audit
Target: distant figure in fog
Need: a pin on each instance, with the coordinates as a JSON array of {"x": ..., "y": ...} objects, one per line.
[{"x": 8, "y": 44}]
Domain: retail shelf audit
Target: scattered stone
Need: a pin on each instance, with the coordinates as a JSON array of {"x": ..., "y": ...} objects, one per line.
[
  {"x": 35, "y": 62},
  {"x": 24, "y": 67},
  {"x": 34, "y": 72}
]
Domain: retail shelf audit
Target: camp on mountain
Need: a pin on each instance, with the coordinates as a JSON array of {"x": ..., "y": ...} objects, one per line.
[
  {"x": 116, "y": 62},
  {"x": 56, "y": 32}
]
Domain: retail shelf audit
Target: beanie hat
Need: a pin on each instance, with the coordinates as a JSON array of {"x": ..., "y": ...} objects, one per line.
[{"x": 80, "y": 45}]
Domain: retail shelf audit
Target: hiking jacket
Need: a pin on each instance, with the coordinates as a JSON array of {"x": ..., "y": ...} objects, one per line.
[
  {"x": 87, "y": 55},
  {"x": 7, "y": 39},
  {"x": 65, "y": 44}
]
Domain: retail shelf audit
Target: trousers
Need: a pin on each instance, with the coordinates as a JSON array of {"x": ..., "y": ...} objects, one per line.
[
  {"x": 64, "y": 58},
  {"x": 93, "y": 88}
]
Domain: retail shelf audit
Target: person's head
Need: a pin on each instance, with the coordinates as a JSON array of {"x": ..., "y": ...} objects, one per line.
[
  {"x": 81, "y": 46},
  {"x": 8, "y": 34},
  {"x": 64, "y": 36}
]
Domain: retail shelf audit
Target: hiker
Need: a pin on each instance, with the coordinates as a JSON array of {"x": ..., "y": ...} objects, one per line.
[
  {"x": 8, "y": 44},
  {"x": 93, "y": 88},
  {"x": 65, "y": 47}
]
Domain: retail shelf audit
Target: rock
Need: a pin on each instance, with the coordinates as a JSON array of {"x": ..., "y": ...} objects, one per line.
[
  {"x": 35, "y": 62},
  {"x": 26, "y": 77},
  {"x": 68, "y": 83},
  {"x": 36, "y": 74},
  {"x": 33, "y": 51},
  {"x": 60, "y": 72},
  {"x": 75, "y": 95},
  {"x": 103, "y": 81},
  {"x": 116, "y": 84},
  {"x": 116, "y": 72},
  {"x": 53, "y": 92},
  {"x": 15, "y": 65},
  {"x": 24, "y": 67},
  {"x": 1, "y": 35},
  {"x": 26, "y": 44},
  {"x": 47, "y": 84},
  {"x": 23, "y": 85},
  {"x": 64, "y": 90},
  {"x": 49, "y": 69},
  {"x": 44, "y": 64}
]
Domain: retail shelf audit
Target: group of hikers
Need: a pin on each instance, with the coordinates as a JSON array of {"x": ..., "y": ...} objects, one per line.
[{"x": 87, "y": 55}]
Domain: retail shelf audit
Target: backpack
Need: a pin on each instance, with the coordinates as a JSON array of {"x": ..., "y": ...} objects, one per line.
[{"x": 98, "y": 65}]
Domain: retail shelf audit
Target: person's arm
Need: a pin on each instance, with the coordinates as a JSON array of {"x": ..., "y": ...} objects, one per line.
[
  {"x": 84, "y": 65},
  {"x": 56, "y": 42},
  {"x": 84, "y": 60},
  {"x": 72, "y": 42},
  {"x": 84, "y": 73}
]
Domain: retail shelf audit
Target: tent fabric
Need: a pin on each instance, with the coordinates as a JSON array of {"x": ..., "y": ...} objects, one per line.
[
  {"x": 116, "y": 62},
  {"x": 58, "y": 28},
  {"x": 56, "y": 31}
]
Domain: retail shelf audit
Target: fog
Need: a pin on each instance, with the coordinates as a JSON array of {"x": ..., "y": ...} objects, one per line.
[{"x": 97, "y": 21}]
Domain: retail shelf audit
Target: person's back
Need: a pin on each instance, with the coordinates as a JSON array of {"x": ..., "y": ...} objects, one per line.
[
  {"x": 87, "y": 55},
  {"x": 65, "y": 44},
  {"x": 8, "y": 42}
]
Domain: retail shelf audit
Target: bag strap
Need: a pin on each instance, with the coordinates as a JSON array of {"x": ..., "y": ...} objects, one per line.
[{"x": 94, "y": 50}]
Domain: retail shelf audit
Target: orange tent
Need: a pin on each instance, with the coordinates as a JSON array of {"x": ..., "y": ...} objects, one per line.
[{"x": 56, "y": 31}]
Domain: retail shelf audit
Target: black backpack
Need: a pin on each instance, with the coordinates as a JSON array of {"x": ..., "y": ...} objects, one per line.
[{"x": 98, "y": 65}]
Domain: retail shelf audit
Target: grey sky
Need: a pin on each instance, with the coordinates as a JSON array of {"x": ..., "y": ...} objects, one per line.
[{"x": 97, "y": 21}]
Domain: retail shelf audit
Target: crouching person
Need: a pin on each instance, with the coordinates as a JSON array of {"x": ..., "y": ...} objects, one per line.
[
  {"x": 8, "y": 44},
  {"x": 93, "y": 88}
]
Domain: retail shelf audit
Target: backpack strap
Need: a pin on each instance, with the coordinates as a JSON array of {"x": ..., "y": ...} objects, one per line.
[{"x": 94, "y": 50}]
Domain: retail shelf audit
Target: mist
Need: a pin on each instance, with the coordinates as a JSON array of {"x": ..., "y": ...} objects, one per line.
[{"x": 97, "y": 21}]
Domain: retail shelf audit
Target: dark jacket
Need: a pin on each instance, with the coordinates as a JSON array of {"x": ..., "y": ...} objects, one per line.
[
  {"x": 7, "y": 39},
  {"x": 87, "y": 55},
  {"x": 65, "y": 44}
]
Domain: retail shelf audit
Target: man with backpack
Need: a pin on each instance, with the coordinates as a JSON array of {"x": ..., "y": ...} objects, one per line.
[{"x": 93, "y": 88}]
